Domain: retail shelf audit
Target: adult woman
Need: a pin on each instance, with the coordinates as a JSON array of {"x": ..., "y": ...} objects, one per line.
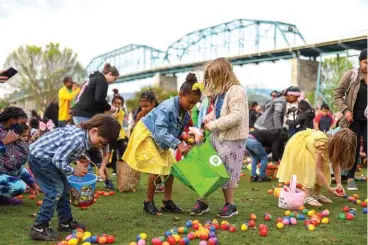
[
  {"x": 351, "y": 98},
  {"x": 13, "y": 156},
  {"x": 273, "y": 117},
  {"x": 92, "y": 101}
]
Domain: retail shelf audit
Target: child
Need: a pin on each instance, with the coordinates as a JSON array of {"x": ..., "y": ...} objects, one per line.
[
  {"x": 273, "y": 117},
  {"x": 34, "y": 124},
  {"x": 324, "y": 120},
  {"x": 261, "y": 141},
  {"x": 304, "y": 119},
  {"x": 149, "y": 145},
  {"x": 49, "y": 161},
  {"x": 253, "y": 114},
  {"x": 13, "y": 157},
  {"x": 307, "y": 155},
  {"x": 118, "y": 148},
  {"x": 229, "y": 125}
]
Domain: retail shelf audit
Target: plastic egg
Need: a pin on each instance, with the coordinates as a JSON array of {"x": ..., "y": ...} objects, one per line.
[
  {"x": 287, "y": 213},
  {"x": 325, "y": 220},
  {"x": 212, "y": 241},
  {"x": 133, "y": 243},
  {"x": 73, "y": 241},
  {"x": 285, "y": 222},
  {"x": 243, "y": 227},
  {"x": 364, "y": 210},
  {"x": 311, "y": 227},
  {"x": 325, "y": 213},
  {"x": 358, "y": 202},
  {"x": 300, "y": 217},
  {"x": 141, "y": 242},
  {"x": 293, "y": 221},
  {"x": 280, "y": 225},
  {"x": 86, "y": 243},
  {"x": 203, "y": 243}
]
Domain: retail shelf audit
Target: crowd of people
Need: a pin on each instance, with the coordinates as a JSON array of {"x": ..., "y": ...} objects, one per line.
[{"x": 83, "y": 129}]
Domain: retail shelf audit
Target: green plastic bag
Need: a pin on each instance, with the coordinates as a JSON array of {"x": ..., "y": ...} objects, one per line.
[{"x": 202, "y": 170}]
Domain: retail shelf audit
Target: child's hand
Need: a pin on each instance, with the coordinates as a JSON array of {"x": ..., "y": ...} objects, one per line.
[
  {"x": 336, "y": 191},
  {"x": 84, "y": 162},
  {"x": 80, "y": 171},
  {"x": 101, "y": 173},
  {"x": 183, "y": 148},
  {"x": 340, "y": 190},
  {"x": 36, "y": 188}
]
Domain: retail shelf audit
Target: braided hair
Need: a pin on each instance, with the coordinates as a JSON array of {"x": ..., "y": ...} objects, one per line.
[{"x": 11, "y": 112}]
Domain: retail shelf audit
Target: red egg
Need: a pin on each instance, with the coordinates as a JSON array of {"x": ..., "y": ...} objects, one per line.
[
  {"x": 251, "y": 223},
  {"x": 156, "y": 241},
  {"x": 110, "y": 239},
  {"x": 363, "y": 204},
  {"x": 345, "y": 209},
  {"x": 263, "y": 232},
  {"x": 171, "y": 240},
  {"x": 39, "y": 203},
  {"x": 224, "y": 227},
  {"x": 32, "y": 196},
  {"x": 216, "y": 225},
  {"x": 112, "y": 193},
  {"x": 278, "y": 220},
  {"x": 196, "y": 227},
  {"x": 262, "y": 226},
  {"x": 307, "y": 222},
  {"x": 349, "y": 216},
  {"x": 205, "y": 236},
  {"x": 106, "y": 194},
  {"x": 97, "y": 196},
  {"x": 232, "y": 229},
  {"x": 267, "y": 218}
]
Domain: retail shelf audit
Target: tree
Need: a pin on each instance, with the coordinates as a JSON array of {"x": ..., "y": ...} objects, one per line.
[
  {"x": 161, "y": 95},
  {"x": 332, "y": 71},
  {"x": 41, "y": 70}
]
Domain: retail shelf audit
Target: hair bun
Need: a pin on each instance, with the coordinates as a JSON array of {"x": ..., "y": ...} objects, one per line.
[
  {"x": 191, "y": 78},
  {"x": 115, "y": 90},
  {"x": 107, "y": 65}
]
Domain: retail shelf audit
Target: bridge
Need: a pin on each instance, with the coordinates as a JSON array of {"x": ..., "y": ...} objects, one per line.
[{"x": 243, "y": 41}]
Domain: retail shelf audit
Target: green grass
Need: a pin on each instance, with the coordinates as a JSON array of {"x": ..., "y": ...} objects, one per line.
[{"x": 122, "y": 216}]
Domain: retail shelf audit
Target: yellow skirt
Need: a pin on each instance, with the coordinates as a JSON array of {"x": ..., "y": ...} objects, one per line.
[
  {"x": 144, "y": 155},
  {"x": 300, "y": 158}
]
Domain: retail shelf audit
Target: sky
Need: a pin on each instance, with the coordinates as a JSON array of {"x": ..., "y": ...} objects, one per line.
[{"x": 93, "y": 27}]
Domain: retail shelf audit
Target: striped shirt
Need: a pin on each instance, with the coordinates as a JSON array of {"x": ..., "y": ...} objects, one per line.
[{"x": 61, "y": 146}]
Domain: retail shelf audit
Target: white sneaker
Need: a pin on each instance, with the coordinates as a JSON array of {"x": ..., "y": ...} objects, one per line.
[{"x": 113, "y": 174}]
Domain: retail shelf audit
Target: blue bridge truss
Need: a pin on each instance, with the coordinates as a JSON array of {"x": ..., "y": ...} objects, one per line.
[{"x": 234, "y": 38}]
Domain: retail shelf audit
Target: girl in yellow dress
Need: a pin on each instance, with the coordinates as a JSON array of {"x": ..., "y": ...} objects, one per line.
[
  {"x": 308, "y": 155},
  {"x": 155, "y": 134}
]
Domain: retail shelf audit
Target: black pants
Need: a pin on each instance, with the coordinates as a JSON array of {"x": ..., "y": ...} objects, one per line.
[
  {"x": 117, "y": 149},
  {"x": 359, "y": 127}
]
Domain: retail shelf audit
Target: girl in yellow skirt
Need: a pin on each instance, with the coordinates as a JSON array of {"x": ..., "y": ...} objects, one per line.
[
  {"x": 149, "y": 146},
  {"x": 308, "y": 155}
]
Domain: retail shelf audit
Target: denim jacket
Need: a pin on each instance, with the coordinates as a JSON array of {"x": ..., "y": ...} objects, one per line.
[{"x": 165, "y": 125}]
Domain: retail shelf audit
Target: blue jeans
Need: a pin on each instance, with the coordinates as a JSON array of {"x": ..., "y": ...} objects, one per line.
[
  {"x": 55, "y": 186},
  {"x": 258, "y": 153}
]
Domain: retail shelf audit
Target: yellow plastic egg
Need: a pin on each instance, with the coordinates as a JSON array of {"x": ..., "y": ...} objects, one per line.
[
  {"x": 73, "y": 241},
  {"x": 287, "y": 213},
  {"x": 177, "y": 237},
  {"x": 325, "y": 220},
  {"x": 214, "y": 221},
  {"x": 311, "y": 212},
  {"x": 311, "y": 227},
  {"x": 358, "y": 202},
  {"x": 86, "y": 243},
  {"x": 280, "y": 225},
  {"x": 143, "y": 236},
  {"x": 244, "y": 227}
]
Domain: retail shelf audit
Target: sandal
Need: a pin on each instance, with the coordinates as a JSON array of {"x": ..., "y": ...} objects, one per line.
[
  {"x": 311, "y": 201},
  {"x": 322, "y": 199},
  {"x": 149, "y": 207}
]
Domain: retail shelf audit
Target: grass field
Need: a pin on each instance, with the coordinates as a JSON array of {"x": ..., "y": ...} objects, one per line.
[{"x": 122, "y": 216}]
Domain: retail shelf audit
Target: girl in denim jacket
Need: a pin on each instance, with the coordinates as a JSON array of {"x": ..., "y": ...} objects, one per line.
[{"x": 154, "y": 135}]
